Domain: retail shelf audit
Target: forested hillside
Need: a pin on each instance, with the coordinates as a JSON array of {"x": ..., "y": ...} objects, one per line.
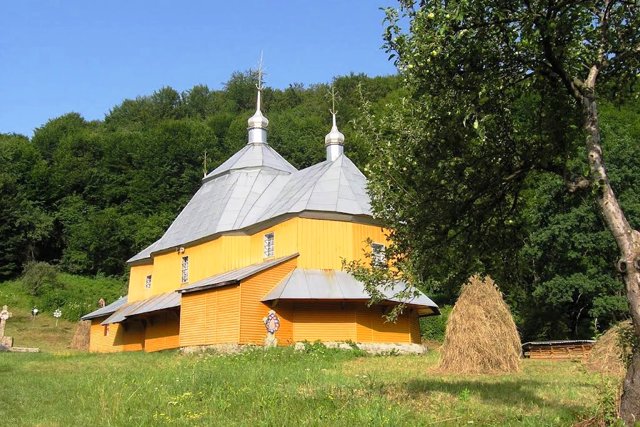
[{"x": 87, "y": 195}]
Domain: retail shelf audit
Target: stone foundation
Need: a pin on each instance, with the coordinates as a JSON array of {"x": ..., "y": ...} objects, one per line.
[
  {"x": 218, "y": 348},
  {"x": 372, "y": 348}
]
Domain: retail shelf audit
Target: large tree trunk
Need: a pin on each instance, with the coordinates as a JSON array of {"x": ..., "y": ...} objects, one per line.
[{"x": 628, "y": 241}]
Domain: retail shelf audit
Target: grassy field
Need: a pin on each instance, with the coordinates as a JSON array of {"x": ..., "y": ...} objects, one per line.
[{"x": 284, "y": 387}]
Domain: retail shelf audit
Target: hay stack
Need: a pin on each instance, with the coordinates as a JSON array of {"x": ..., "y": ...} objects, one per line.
[
  {"x": 606, "y": 354},
  {"x": 481, "y": 336},
  {"x": 80, "y": 340}
]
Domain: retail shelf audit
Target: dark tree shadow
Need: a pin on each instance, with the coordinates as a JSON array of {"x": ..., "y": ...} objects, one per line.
[{"x": 511, "y": 392}]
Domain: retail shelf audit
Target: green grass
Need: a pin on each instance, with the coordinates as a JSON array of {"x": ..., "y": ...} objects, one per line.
[
  {"x": 73, "y": 295},
  {"x": 40, "y": 332},
  {"x": 283, "y": 387}
]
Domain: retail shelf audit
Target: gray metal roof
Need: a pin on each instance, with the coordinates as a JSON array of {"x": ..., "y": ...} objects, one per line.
[
  {"x": 336, "y": 186},
  {"x": 304, "y": 284},
  {"x": 106, "y": 310},
  {"x": 257, "y": 185},
  {"x": 253, "y": 156},
  {"x": 155, "y": 303},
  {"x": 234, "y": 276}
]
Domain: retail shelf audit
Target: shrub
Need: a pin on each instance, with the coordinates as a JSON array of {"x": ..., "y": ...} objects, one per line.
[
  {"x": 37, "y": 276},
  {"x": 432, "y": 328}
]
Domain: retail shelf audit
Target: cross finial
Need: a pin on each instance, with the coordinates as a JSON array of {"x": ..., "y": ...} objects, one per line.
[
  {"x": 333, "y": 101},
  {"x": 204, "y": 164},
  {"x": 260, "y": 73}
]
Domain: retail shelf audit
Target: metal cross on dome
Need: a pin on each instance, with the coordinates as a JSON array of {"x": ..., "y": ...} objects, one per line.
[
  {"x": 333, "y": 100},
  {"x": 260, "y": 73}
]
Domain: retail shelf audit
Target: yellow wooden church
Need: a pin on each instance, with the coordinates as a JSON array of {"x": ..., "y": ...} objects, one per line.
[{"x": 260, "y": 239}]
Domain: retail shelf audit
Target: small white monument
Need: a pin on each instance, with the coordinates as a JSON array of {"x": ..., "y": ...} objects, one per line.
[
  {"x": 57, "y": 315},
  {"x": 5, "y": 314}
]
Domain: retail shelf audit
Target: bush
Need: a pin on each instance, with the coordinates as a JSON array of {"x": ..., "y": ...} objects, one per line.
[
  {"x": 38, "y": 276},
  {"x": 432, "y": 328}
]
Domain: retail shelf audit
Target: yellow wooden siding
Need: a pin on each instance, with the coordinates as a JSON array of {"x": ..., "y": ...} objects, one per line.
[
  {"x": 132, "y": 336},
  {"x": 415, "y": 328},
  {"x": 192, "y": 319},
  {"x": 373, "y": 328},
  {"x": 137, "y": 280},
  {"x": 205, "y": 260},
  {"x": 252, "y": 310},
  {"x": 162, "y": 332},
  {"x": 285, "y": 240},
  {"x": 105, "y": 339},
  {"x": 285, "y": 314},
  {"x": 362, "y": 232},
  {"x": 323, "y": 321},
  {"x": 210, "y": 317},
  {"x": 364, "y": 327},
  {"x": 321, "y": 244}
]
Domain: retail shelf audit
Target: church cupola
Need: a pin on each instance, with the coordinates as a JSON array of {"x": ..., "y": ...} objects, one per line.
[
  {"x": 257, "y": 124},
  {"x": 334, "y": 141}
]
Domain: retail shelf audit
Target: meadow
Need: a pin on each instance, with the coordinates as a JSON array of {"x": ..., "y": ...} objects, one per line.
[{"x": 285, "y": 387}]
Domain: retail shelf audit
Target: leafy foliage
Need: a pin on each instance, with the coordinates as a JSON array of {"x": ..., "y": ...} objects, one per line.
[
  {"x": 482, "y": 166},
  {"x": 89, "y": 195},
  {"x": 39, "y": 277}
]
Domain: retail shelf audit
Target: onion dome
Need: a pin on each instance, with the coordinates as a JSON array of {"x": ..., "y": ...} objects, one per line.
[
  {"x": 258, "y": 120},
  {"x": 334, "y": 141}
]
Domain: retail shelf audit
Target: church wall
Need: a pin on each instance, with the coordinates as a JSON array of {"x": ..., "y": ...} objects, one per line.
[
  {"x": 210, "y": 317},
  {"x": 162, "y": 331},
  {"x": 132, "y": 338},
  {"x": 324, "y": 321},
  {"x": 362, "y": 232},
  {"x": 102, "y": 339},
  {"x": 373, "y": 328},
  {"x": 285, "y": 240},
  {"x": 205, "y": 260},
  {"x": 137, "y": 278},
  {"x": 322, "y": 243},
  {"x": 252, "y": 290}
]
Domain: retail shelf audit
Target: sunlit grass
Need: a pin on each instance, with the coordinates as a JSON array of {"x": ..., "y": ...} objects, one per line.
[{"x": 283, "y": 387}]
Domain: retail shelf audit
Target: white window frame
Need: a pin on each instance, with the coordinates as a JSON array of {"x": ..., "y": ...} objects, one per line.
[
  {"x": 378, "y": 255},
  {"x": 185, "y": 269},
  {"x": 269, "y": 245},
  {"x": 147, "y": 282}
]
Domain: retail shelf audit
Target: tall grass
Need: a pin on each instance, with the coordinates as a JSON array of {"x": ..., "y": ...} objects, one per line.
[{"x": 284, "y": 387}]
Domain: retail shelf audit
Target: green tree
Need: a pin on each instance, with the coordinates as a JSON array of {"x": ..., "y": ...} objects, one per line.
[{"x": 501, "y": 90}]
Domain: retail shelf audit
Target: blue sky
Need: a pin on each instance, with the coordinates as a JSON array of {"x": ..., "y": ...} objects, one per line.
[{"x": 87, "y": 56}]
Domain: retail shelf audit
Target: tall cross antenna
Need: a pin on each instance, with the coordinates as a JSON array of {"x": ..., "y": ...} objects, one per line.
[
  {"x": 260, "y": 73},
  {"x": 204, "y": 164},
  {"x": 333, "y": 101}
]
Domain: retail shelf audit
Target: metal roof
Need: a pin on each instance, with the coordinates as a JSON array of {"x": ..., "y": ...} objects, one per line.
[
  {"x": 256, "y": 185},
  {"x": 155, "y": 303},
  {"x": 253, "y": 156},
  {"x": 305, "y": 284},
  {"x": 106, "y": 310},
  {"x": 234, "y": 276},
  {"x": 333, "y": 186}
]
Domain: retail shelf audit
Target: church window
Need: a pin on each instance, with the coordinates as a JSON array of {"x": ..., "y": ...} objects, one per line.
[
  {"x": 185, "y": 269},
  {"x": 378, "y": 256},
  {"x": 147, "y": 282},
  {"x": 269, "y": 245}
]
